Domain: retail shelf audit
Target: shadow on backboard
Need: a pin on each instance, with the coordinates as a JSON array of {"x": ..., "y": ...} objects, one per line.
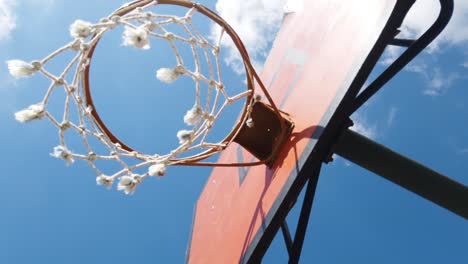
[{"x": 312, "y": 132}]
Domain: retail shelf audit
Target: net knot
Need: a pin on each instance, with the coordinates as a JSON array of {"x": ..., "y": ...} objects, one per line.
[
  {"x": 92, "y": 156},
  {"x": 63, "y": 153},
  {"x": 185, "y": 136},
  {"x": 137, "y": 37},
  {"x": 158, "y": 170},
  {"x": 33, "y": 112},
  {"x": 20, "y": 69},
  {"x": 128, "y": 183},
  {"x": 65, "y": 125},
  {"x": 169, "y": 36},
  {"x": 81, "y": 29},
  {"x": 105, "y": 180},
  {"x": 170, "y": 75}
]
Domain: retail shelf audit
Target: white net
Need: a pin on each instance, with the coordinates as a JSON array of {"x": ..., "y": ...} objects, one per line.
[{"x": 141, "y": 27}]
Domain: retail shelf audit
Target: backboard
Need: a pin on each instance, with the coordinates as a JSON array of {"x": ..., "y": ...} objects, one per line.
[{"x": 321, "y": 57}]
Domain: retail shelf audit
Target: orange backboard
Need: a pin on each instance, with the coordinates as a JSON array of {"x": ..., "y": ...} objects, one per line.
[{"x": 312, "y": 72}]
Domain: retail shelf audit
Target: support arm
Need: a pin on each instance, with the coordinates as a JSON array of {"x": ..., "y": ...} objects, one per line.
[{"x": 403, "y": 171}]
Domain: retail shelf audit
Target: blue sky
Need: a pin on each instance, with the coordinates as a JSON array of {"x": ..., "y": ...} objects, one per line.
[{"x": 52, "y": 213}]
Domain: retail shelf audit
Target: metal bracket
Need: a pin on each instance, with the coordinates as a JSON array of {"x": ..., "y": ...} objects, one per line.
[
  {"x": 266, "y": 137},
  {"x": 414, "y": 48}
]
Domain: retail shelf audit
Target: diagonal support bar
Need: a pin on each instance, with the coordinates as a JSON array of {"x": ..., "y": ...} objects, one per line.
[
  {"x": 287, "y": 237},
  {"x": 304, "y": 217},
  {"x": 403, "y": 171}
]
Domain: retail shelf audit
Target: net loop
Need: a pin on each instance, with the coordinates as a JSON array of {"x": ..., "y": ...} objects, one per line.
[{"x": 142, "y": 27}]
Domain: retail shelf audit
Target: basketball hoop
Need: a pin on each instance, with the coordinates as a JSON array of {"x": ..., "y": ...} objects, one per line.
[{"x": 261, "y": 128}]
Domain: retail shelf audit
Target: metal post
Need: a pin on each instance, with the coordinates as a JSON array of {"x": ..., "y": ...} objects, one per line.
[
  {"x": 287, "y": 237},
  {"x": 403, "y": 171},
  {"x": 304, "y": 217}
]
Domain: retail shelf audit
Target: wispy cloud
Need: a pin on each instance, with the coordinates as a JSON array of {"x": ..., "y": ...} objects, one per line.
[
  {"x": 440, "y": 83},
  {"x": 463, "y": 151},
  {"x": 293, "y": 6},
  {"x": 41, "y": 8},
  {"x": 418, "y": 20},
  {"x": 7, "y": 18},
  {"x": 256, "y": 22},
  {"x": 391, "y": 116},
  {"x": 436, "y": 81},
  {"x": 391, "y": 54},
  {"x": 362, "y": 126}
]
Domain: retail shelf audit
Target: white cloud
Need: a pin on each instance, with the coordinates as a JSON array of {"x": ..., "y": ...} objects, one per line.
[
  {"x": 40, "y": 8},
  {"x": 424, "y": 13},
  {"x": 362, "y": 127},
  {"x": 7, "y": 18},
  {"x": 436, "y": 81},
  {"x": 440, "y": 83},
  {"x": 465, "y": 64},
  {"x": 293, "y": 6},
  {"x": 390, "y": 55},
  {"x": 418, "y": 20},
  {"x": 256, "y": 22},
  {"x": 391, "y": 116}
]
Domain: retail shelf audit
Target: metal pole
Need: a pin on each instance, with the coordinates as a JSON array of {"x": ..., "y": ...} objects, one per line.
[
  {"x": 287, "y": 237},
  {"x": 403, "y": 171},
  {"x": 304, "y": 217}
]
